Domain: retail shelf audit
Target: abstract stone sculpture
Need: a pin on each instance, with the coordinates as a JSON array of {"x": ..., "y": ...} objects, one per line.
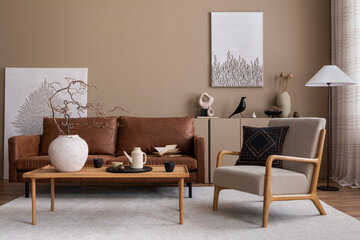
[{"x": 205, "y": 102}]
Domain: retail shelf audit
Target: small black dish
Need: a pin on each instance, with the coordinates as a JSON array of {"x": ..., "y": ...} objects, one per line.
[
  {"x": 98, "y": 162},
  {"x": 169, "y": 166}
]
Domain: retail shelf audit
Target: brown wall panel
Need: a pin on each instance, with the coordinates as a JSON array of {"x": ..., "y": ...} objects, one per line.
[{"x": 153, "y": 57}]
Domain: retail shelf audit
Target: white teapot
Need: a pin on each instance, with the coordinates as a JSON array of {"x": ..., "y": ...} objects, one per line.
[{"x": 137, "y": 160}]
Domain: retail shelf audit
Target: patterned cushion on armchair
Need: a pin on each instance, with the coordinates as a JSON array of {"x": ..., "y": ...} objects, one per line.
[{"x": 260, "y": 143}]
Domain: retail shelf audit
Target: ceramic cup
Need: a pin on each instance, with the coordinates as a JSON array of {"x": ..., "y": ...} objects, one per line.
[
  {"x": 169, "y": 166},
  {"x": 116, "y": 164},
  {"x": 98, "y": 162}
]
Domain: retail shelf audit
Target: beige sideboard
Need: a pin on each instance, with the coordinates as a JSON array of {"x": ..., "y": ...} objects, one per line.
[{"x": 223, "y": 134}]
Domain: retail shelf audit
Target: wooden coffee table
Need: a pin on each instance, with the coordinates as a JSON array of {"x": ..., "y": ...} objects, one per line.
[{"x": 48, "y": 172}]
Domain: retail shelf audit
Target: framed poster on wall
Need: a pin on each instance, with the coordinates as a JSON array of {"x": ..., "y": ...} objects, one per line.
[
  {"x": 27, "y": 93},
  {"x": 237, "y": 49}
]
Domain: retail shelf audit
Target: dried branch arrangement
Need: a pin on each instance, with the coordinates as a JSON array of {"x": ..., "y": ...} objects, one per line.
[
  {"x": 285, "y": 80},
  {"x": 72, "y": 88}
]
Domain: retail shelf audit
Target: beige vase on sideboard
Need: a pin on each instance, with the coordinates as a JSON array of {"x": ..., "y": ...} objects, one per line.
[{"x": 283, "y": 101}]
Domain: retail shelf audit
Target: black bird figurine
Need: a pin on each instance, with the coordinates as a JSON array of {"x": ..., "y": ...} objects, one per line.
[{"x": 240, "y": 108}]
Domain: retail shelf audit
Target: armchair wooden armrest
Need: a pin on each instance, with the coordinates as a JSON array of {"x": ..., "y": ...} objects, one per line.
[
  {"x": 222, "y": 153},
  {"x": 315, "y": 161},
  {"x": 271, "y": 158}
]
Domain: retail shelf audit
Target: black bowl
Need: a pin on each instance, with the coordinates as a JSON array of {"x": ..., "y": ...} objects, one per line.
[{"x": 273, "y": 113}]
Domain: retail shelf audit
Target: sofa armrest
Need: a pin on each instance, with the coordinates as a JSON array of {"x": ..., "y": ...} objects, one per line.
[
  {"x": 199, "y": 152},
  {"x": 19, "y": 147}
]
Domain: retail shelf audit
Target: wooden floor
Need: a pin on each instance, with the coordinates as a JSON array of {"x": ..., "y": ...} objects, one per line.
[{"x": 346, "y": 199}]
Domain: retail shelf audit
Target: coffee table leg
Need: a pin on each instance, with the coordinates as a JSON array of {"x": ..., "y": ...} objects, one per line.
[
  {"x": 33, "y": 195},
  {"x": 52, "y": 195},
  {"x": 181, "y": 199}
]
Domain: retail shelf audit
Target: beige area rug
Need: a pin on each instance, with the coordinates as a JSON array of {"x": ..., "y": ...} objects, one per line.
[{"x": 152, "y": 213}]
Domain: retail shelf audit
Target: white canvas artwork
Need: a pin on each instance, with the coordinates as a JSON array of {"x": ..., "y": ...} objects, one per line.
[
  {"x": 237, "y": 49},
  {"x": 26, "y": 100}
]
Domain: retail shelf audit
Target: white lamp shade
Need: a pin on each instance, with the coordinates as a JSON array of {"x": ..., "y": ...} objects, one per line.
[{"x": 329, "y": 74}]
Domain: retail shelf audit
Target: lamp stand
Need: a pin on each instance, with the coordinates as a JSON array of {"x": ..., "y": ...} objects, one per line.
[{"x": 328, "y": 187}]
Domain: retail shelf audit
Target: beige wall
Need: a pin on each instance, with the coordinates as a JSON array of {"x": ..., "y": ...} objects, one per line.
[{"x": 153, "y": 56}]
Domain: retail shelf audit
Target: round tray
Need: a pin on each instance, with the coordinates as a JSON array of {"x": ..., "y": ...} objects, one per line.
[{"x": 128, "y": 169}]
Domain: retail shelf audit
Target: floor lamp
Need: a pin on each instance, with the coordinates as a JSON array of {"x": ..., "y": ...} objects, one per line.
[{"x": 329, "y": 76}]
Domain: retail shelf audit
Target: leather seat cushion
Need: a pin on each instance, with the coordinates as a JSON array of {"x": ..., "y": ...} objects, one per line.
[
  {"x": 189, "y": 161},
  {"x": 99, "y": 133},
  {"x": 31, "y": 163},
  {"x": 148, "y": 133},
  {"x": 251, "y": 179}
]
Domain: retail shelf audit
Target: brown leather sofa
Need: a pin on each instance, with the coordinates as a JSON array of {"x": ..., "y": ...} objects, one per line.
[{"x": 107, "y": 138}]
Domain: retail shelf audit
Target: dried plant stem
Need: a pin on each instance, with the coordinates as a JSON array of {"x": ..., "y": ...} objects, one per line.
[
  {"x": 285, "y": 81},
  {"x": 72, "y": 88}
]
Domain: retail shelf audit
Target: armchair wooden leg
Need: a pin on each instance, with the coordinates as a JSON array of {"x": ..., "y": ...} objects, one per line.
[
  {"x": 318, "y": 205},
  {"x": 217, "y": 190},
  {"x": 266, "y": 207}
]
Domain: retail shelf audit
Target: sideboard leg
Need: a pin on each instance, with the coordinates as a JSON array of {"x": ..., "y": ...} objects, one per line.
[
  {"x": 189, "y": 184},
  {"x": 26, "y": 189}
]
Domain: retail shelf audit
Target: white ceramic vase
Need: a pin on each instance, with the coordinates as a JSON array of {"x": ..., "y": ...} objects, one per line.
[
  {"x": 68, "y": 153},
  {"x": 283, "y": 101}
]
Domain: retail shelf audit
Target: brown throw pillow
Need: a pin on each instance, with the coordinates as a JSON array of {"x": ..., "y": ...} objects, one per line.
[
  {"x": 260, "y": 143},
  {"x": 99, "y": 133}
]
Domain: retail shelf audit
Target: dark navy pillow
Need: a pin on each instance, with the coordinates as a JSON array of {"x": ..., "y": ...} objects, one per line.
[{"x": 260, "y": 143}]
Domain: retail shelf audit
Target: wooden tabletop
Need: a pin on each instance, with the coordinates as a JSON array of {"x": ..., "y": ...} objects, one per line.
[{"x": 158, "y": 171}]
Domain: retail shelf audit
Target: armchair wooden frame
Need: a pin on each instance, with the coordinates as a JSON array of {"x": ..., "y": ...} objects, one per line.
[{"x": 268, "y": 197}]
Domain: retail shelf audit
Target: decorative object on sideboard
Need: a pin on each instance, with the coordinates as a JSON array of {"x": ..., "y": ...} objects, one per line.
[
  {"x": 273, "y": 112},
  {"x": 203, "y": 112},
  {"x": 253, "y": 115},
  {"x": 283, "y": 100},
  {"x": 296, "y": 114},
  {"x": 205, "y": 103},
  {"x": 27, "y": 93},
  {"x": 68, "y": 153},
  {"x": 137, "y": 159},
  {"x": 240, "y": 108},
  {"x": 237, "y": 49},
  {"x": 329, "y": 76}
]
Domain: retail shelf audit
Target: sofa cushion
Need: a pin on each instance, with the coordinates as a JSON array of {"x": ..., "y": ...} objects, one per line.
[
  {"x": 260, "y": 143},
  {"x": 31, "y": 163},
  {"x": 148, "y": 133},
  {"x": 99, "y": 133},
  {"x": 189, "y": 161}
]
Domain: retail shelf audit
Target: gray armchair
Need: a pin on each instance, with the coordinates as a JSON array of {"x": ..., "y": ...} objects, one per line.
[{"x": 297, "y": 180}]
